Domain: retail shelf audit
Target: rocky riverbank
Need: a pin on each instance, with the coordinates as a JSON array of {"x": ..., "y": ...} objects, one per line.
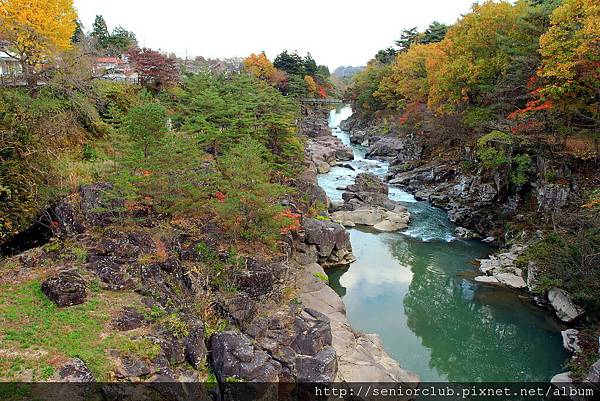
[
  {"x": 164, "y": 301},
  {"x": 361, "y": 357},
  {"x": 482, "y": 206}
]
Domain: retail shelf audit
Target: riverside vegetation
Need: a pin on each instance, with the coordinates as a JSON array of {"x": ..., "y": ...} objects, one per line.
[
  {"x": 167, "y": 207},
  {"x": 140, "y": 222},
  {"x": 496, "y": 118}
]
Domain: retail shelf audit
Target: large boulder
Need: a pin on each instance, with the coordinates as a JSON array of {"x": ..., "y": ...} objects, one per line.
[
  {"x": 368, "y": 182},
  {"x": 320, "y": 368},
  {"x": 65, "y": 289},
  {"x": 332, "y": 241},
  {"x": 564, "y": 306},
  {"x": 401, "y": 149},
  {"x": 381, "y": 219},
  {"x": 571, "y": 340},
  {"x": 235, "y": 357},
  {"x": 74, "y": 371}
]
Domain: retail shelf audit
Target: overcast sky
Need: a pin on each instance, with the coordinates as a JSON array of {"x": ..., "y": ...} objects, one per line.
[{"x": 336, "y": 32}]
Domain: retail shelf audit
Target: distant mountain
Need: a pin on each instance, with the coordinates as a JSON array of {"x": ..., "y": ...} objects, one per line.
[{"x": 347, "y": 72}]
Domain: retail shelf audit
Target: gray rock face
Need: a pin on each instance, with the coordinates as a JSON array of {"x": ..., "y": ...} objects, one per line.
[
  {"x": 234, "y": 356},
  {"x": 551, "y": 197},
  {"x": 129, "y": 319},
  {"x": 562, "y": 303},
  {"x": 81, "y": 209},
  {"x": 401, "y": 149},
  {"x": 321, "y": 368},
  {"x": 172, "y": 348},
  {"x": 532, "y": 276},
  {"x": 259, "y": 278},
  {"x": 65, "y": 289},
  {"x": 75, "y": 371},
  {"x": 112, "y": 271},
  {"x": 313, "y": 332},
  {"x": 571, "y": 340},
  {"x": 331, "y": 240},
  {"x": 194, "y": 347},
  {"x": 368, "y": 182}
]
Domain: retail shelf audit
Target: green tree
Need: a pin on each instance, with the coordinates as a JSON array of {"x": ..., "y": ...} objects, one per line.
[
  {"x": 386, "y": 56},
  {"x": 436, "y": 32},
  {"x": 310, "y": 65},
  {"x": 100, "y": 32},
  {"x": 120, "y": 41},
  {"x": 251, "y": 202},
  {"x": 146, "y": 125},
  {"x": 291, "y": 63},
  {"x": 408, "y": 37}
]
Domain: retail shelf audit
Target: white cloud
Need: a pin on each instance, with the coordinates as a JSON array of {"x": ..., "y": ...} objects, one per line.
[{"x": 336, "y": 32}]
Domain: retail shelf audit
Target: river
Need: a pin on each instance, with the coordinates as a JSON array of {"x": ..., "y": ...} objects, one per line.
[{"x": 414, "y": 289}]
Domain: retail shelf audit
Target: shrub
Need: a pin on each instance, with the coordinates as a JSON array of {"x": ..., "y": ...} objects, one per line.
[{"x": 251, "y": 201}]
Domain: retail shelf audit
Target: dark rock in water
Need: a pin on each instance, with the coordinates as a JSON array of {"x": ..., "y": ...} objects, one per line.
[
  {"x": 194, "y": 347},
  {"x": 234, "y": 356},
  {"x": 368, "y": 182},
  {"x": 75, "y": 371},
  {"x": 129, "y": 319},
  {"x": 86, "y": 208},
  {"x": 320, "y": 368},
  {"x": 65, "y": 289},
  {"x": 134, "y": 367}
]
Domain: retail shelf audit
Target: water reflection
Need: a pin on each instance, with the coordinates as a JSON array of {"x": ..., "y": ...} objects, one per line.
[
  {"x": 414, "y": 289},
  {"x": 437, "y": 322}
]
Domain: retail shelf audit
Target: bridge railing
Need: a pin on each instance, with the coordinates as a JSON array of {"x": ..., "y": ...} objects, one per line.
[{"x": 316, "y": 100}]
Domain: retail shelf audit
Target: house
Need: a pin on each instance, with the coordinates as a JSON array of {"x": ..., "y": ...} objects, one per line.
[
  {"x": 115, "y": 69},
  {"x": 10, "y": 69}
]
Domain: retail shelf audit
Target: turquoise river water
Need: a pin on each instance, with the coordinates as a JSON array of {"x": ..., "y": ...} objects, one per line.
[{"x": 415, "y": 290}]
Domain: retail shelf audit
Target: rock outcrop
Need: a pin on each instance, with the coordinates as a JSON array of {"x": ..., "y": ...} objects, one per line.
[
  {"x": 366, "y": 203},
  {"x": 325, "y": 242},
  {"x": 74, "y": 371},
  {"x": 397, "y": 149},
  {"x": 326, "y": 151},
  {"x": 564, "y": 306},
  {"x": 65, "y": 289},
  {"x": 501, "y": 269}
]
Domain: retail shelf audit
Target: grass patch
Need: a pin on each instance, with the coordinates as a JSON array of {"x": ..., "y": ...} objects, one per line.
[
  {"x": 322, "y": 277},
  {"x": 36, "y": 334}
]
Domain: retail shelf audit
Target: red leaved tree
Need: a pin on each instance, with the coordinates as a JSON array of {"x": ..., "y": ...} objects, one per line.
[{"x": 155, "y": 70}]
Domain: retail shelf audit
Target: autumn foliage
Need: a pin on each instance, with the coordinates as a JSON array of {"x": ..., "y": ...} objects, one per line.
[
  {"x": 155, "y": 70},
  {"x": 36, "y": 30}
]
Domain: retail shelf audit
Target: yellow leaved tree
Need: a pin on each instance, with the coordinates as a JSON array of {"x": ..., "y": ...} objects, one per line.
[
  {"x": 34, "y": 31},
  {"x": 260, "y": 66}
]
